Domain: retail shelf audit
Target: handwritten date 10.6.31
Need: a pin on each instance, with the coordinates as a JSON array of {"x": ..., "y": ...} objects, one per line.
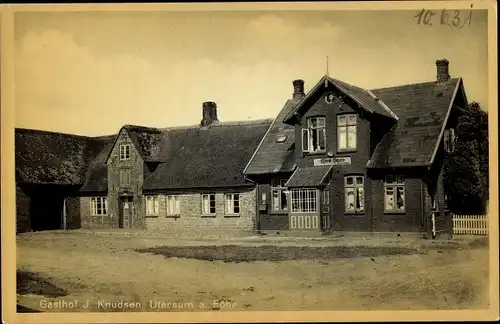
[{"x": 446, "y": 17}]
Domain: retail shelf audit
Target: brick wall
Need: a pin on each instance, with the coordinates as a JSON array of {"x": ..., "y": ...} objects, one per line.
[
  {"x": 192, "y": 221},
  {"x": 136, "y": 166},
  {"x": 22, "y": 211},
  {"x": 89, "y": 221},
  {"x": 410, "y": 220}
]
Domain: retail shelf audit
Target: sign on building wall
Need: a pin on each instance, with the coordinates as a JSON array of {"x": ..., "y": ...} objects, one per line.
[{"x": 332, "y": 161}]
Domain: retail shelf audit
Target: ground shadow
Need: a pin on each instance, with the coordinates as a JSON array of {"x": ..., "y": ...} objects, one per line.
[
  {"x": 235, "y": 253},
  {"x": 31, "y": 283}
]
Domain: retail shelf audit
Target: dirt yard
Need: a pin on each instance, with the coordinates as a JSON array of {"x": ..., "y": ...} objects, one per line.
[{"x": 85, "y": 272}]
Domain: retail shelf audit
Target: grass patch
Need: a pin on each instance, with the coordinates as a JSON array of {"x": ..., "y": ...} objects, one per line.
[
  {"x": 235, "y": 253},
  {"x": 479, "y": 242},
  {"x": 31, "y": 283}
]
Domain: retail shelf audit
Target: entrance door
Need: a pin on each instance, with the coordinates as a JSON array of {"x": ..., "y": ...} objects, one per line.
[{"x": 126, "y": 212}]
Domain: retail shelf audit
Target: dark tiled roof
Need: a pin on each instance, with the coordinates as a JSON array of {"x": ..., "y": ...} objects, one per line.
[
  {"x": 96, "y": 179},
  {"x": 309, "y": 176},
  {"x": 271, "y": 156},
  {"x": 422, "y": 109},
  {"x": 43, "y": 157},
  {"x": 361, "y": 96},
  {"x": 214, "y": 156}
]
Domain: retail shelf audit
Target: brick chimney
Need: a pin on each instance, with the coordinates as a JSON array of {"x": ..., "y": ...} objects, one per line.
[
  {"x": 443, "y": 74},
  {"x": 298, "y": 89},
  {"x": 209, "y": 113}
]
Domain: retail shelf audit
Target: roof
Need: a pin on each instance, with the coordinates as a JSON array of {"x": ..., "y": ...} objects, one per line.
[
  {"x": 214, "y": 156},
  {"x": 309, "y": 176},
  {"x": 96, "y": 177},
  {"x": 272, "y": 156},
  {"x": 422, "y": 109},
  {"x": 44, "y": 157},
  {"x": 361, "y": 96}
]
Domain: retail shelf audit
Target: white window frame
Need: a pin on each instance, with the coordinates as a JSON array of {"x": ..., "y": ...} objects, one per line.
[
  {"x": 357, "y": 186},
  {"x": 449, "y": 140},
  {"x": 347, "y": 126},
  {"x": 152, "y": 205},
  {"x": 278, "y": 187},
  {"x": 124, "y": 152},
  {"x": 304, "y": 200},
  {"x": 394, "y": 183},
  {"x": 232, "y": 203},
  {"x": 125, "y": 174},
  {"x": 203, "y": 209},
  {"x": 318, "y": 129},
  {"x": 98, "y": 201},
  {"x": 173, "y": 205}
]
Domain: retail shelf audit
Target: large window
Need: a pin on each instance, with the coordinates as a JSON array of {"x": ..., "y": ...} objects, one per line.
[
  {"x": 208, "y": 204},
  {"x": 125, "y": 152},
  {"x": 232, "y": 204},
  {"x": 279, "y": 194},
  {"x": 449, "y": 140},
  {"x": 346, "y": 132},
  {"x": 314, "y": 136},
  {"x": 98, "y": 206},
  {"x": 304, "y": 200},
  {"x": 173, "y": 205},
  {"x": 152, "y": 205},
  {"x": 394, "y": 187},
  {"x": 354, "y": 194}
]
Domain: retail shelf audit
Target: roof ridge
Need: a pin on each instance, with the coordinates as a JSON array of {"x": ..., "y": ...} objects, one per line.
[
  {"x": 222, "y": 124},
  {"x": 32, "y": 130},
  {"x": 411, "y": 84}
]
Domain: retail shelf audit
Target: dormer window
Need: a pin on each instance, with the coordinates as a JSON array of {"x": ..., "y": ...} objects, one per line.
[
  {"x": 449, "y": 140},
  {"x": 125, "y": 152},
  {"x": 314, "y": 136},
  {"x": 346, "y": 132}
]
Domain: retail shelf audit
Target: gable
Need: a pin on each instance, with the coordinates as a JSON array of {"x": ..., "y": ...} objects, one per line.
[
  {"x": 123, "y": 138},
  {"x": 357, "y": 98}
]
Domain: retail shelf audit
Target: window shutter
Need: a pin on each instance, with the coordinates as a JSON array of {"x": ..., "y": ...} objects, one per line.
[{"x": 305, "y": 140}]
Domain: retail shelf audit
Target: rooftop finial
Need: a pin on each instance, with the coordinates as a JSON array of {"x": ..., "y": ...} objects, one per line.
[{"x": 327, "y": 72}]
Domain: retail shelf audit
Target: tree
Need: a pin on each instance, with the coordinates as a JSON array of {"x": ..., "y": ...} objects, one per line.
[{"x": 466, "y": 169}]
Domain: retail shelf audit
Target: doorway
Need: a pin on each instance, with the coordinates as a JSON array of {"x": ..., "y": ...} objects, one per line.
[{"x": 125, "y": 212}]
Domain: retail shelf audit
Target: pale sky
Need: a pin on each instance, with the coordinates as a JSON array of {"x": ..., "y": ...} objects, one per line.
[{"x": 90, "y": 73}]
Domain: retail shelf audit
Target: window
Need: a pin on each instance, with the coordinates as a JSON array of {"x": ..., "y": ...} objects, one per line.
[
  {"x": 394, "y": 187},
  {"x": 208, "y": 204},
  {"x": 314, "y": 136},
  {"x": 304, "y": 200},
  {"x": 354, "y": 194},
  {"x": 99, "y": 206},
  {"x": 232, "y": 204},
  {"x": 346, "y": 132},
  {"x": 449, "y": 140},
  {"x": 125, "y": 152},
  {"x": 152, "y": 205},
  {"x": 173, "y": 205},
  {"x": 125, "y": 176},
  {"x": 279, "y": 194}
]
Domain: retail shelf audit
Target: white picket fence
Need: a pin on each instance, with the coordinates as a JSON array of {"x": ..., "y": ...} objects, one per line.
[{"x": 470, "y": 224}]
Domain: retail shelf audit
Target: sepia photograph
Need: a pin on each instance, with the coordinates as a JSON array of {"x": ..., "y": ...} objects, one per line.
[{"x": 230, "y": 160}]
